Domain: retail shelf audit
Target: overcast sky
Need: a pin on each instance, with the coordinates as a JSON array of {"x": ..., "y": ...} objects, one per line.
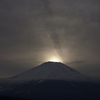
[{"x": 35, "y": 31}]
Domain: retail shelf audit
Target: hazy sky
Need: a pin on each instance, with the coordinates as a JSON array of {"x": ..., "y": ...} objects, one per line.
[{"x": 35, "y": 31}]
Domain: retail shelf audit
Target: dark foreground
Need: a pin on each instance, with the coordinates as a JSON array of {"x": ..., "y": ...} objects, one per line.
[{"x": 51, "y": 90}]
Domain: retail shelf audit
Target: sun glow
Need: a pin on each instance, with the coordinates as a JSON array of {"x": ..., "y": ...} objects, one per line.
[
  {"x": 54, "y": 60},
  {"x": 52, "y": 57}
]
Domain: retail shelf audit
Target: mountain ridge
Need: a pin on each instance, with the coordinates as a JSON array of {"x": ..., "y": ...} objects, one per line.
[{"x": 48, "y": 70}]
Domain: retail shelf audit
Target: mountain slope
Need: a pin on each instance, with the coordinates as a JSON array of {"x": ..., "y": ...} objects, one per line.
[{"x": 48, "y": 70}]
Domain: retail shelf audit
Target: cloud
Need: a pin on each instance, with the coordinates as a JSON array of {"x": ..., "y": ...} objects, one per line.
[
  {"x": 31, "y": 30},
  {"x": 77, "y": 62}
]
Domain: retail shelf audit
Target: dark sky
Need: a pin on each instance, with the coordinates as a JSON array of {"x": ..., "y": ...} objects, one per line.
[{"x": 35, "y": 31}]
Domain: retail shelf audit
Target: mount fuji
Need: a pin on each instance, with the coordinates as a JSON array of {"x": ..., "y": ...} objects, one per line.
[
  {"x": 50, "y": 80},
  {"x": 49, "y": 70}
]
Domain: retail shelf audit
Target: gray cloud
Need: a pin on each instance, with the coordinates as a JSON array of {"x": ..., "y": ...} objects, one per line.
[
  {"x": 31, "y": 31},
  {"x": 77, "y": 62}
]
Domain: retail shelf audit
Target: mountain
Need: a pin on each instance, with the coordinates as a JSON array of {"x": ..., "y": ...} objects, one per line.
[
  {"x": 50, "y": 80},
  {"x": 48, "y": 70}
]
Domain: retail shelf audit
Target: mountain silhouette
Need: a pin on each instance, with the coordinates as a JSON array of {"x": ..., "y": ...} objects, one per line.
[
  {"x": 50, "y": 80},
  {"x": 48, "y": 70}
]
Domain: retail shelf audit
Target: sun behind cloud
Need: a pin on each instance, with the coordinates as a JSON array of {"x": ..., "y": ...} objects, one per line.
[
  {"x": 54, "y": 60},
  {"x": 52, "y": 56}
]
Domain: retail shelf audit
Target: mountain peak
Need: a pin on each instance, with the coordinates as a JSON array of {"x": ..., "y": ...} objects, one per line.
[
  {"x": 48, "y": 70},
  {"x": 50, "y": 62}
]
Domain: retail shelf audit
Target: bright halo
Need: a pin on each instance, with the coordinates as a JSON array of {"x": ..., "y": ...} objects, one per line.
[{"x": 54, "y": 60}]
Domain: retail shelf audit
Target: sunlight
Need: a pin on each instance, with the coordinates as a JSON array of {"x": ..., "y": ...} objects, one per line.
[
  {"x": 52, "y": 57},
  {"x": 54, "y": 60}
]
